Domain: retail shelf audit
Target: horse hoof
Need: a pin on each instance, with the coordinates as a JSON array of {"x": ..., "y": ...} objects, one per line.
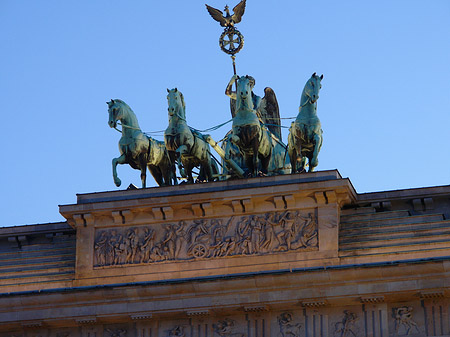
[{"x": 118, "y": 182}]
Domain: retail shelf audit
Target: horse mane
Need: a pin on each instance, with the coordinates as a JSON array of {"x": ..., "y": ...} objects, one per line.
[
  {"x": 123, "y": 105},
  {"x": 183, "y": 104},
  {"x": 182, "y": 100}
]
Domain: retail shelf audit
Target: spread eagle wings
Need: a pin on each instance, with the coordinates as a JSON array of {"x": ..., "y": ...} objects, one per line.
[
  {"x": 228, "y": 21},
  {"x": 270, "y": 112}
]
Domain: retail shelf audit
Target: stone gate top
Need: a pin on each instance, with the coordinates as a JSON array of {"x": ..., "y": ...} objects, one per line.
[{"x": 208, "y": 229}]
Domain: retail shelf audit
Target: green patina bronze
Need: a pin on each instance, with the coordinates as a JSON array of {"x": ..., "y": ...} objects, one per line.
[
  {"x": 138, "y": 150},
  {"x": 252, "y": 147},
  {"x": 185, "y": 145},
  {"x": 268, "y": 114},
  {"x": 305, "y": 133},
  {"x": 252, "y": 139}
]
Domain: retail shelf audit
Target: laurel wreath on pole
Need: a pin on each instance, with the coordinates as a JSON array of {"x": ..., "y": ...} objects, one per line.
[{"x": 231, "y": 41}]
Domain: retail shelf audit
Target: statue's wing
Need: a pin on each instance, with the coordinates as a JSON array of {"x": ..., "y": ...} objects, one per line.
[
  {"x": 216, "y": 14},
  {"x": 270, "y": 112},
  {"x": 238, "y": 11}
]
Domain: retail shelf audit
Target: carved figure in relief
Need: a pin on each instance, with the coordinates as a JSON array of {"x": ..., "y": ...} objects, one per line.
[
  {"x": 256, "y": 234},
  {"x": 148, "y": 244},
  {"x": 115, "y": 242},
  {"x": 116, "y": 332},
  {"x": 170, "y": 240},
  {"x": 206, "y": 238},
  {"x": 270, "y": 240},
  {"x": 101, "y": 248},
  {"x": 243, "y": 231},
  {"x": 131, "y": 246},
  {"x": 225, "y": 328},
  {"x": 180, "y": 237},
  {"x": 287, "y": 234},
  {"x": 197, "y": 229},
  {"x": 403, "y": 318},
  {"x": 218, "y": 230},
  {"x": 177, "y": 331},
  {"x": 287, "y": 329},
  {"x": 309, "y": 232},
  {"x": 346, "y": 327},
  {"x": 158, "y": 253}
]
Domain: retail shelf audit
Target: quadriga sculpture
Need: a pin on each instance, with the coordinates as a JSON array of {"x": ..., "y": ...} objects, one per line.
[
  {"x": 138, "y": 150},
  {"x": 252, "y": 139},
  {"x": 268, "y": 111},
  {"x": 305, "y": 133},
  {"x": 184, "y": 144}
]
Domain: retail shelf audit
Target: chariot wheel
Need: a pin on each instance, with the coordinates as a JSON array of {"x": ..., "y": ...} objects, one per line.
[
  {"x": 199, "y": 250},
  {"x": 231, "y": 41}
]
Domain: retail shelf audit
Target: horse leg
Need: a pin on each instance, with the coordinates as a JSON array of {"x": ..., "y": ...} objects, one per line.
[
  {"x": 265, "y": 161},
  {"x": 255, "y": 157},
  {"x": 292, "y": 150},
  {"x": 157, "y": 174},
  {"x": 248, "y": 159},
  {"x": 120, "y": 160},
  {"x": 172, "y": 168},
  {"x": 166, "y": 175},
  {"x": 183, "y": 150},
  {"x": 209, "y": 171},
  {"x": 188, "y": 168},
  {"x": 314, "y": 161},
  {"x": 294, "y": 159},
  {"x": 143, "y": 166}
]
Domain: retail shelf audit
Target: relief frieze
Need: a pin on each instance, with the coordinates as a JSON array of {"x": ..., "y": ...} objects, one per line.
[{"x": 258, "y": 234}]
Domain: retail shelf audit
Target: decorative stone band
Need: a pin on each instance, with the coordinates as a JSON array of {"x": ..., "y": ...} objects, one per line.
[
  {"x": 141, "y": 316},
  {"x": 372, "y": 299},
  {"x": 256, "y": 234},
  {"x": 197, "y": 313},
  {"x": 313, "y": 304},
  {"x": 432, "y": 294},
  {"x": 32, "y": 324},
  {"x": 86, "y": 320},
  {"x": 256, "y": 308}
]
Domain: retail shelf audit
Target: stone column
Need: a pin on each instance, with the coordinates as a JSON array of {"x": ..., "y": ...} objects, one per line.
[
  {"x": 376, "y": 320},
  {"x": 436, "y": 317},
  {"x": 316, "y": 322}
]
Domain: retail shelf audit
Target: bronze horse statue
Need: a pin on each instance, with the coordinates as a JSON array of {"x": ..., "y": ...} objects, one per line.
[
  {"x": 186, "y": 145},
  {"x": 305, "y": 133},
  {"x": 252, "y": 139},
  {"x": 138, "y": 150}
]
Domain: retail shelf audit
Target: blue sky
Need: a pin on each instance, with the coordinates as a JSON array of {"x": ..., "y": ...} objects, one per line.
[{"x": 384, "y": 104}]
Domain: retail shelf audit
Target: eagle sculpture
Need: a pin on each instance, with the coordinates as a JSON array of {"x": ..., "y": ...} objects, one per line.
[{"x": 228, "y": 20}]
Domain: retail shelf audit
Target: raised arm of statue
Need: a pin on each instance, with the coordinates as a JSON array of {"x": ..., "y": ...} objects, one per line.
[{"x": 228, "y": 91}]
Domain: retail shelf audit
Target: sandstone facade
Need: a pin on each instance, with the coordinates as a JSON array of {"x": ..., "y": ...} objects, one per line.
[{"x": 294, "y": 255}]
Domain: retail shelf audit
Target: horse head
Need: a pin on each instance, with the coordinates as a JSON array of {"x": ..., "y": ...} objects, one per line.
[
  {"x": 313, "y": 87},
  {"x": 244, "y": 89},
  {"x": 115, "y": 111},
  {"x": 176, "y": 105}
]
